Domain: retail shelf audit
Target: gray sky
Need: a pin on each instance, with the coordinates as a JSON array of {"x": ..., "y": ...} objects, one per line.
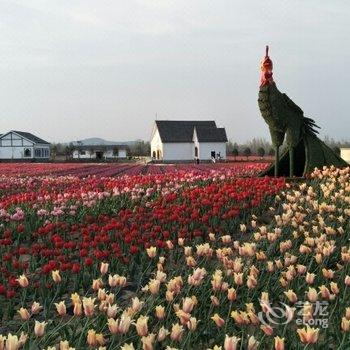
[{"x": 71, "y": 69}]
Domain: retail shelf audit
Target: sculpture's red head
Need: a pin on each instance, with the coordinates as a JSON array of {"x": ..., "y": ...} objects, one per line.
[{"x": 266, "y": 69}]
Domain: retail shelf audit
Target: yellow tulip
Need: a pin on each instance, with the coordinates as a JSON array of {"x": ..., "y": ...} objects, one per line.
[
  {"x": 151, "y": 252},
  {"x": 39, "y": 328},
  {"x": 23, "y": 281},
  {"x": 24, "y": 314},
  {"x": 279, "y": 343},
  {"x": 56, "y": 276},
  {"x": 176, "y": 332},
  {"x": 104, "y": 268},
  {"x": 218, "y": 320},
  {"x": 61, "y": 308},
  {"x": 141, "y": 326},
  {"x": 231, "y": 343},
  {"x": 308, "y": 335}
]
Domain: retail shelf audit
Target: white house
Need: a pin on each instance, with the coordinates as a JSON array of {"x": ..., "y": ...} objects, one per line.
[
  {"x": 345, "y": 154},
  {"x": 177, "y": 140},
  {"x": 21, "y": 145},
  {"x": 99, "y": 152}
]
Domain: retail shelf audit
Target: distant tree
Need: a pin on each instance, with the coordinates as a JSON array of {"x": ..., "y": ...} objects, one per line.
[
  {"x": 229, "y": 147},
  {"x": 261, "y": 152},
  {"x": 140, "y": 148},
  {"x": 235, "y": 153},
  {"x": 247, "y": 152},
  {"x": 54, "y": 150},
  {"x": 115, "y": 151},
  {"x": 256, "y": 143},
  {"x": 69, "y": 150},
  {"x": 271, "y": 152}
]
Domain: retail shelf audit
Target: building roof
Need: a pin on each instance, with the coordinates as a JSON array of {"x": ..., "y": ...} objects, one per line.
[
  {"x": 182, "y": 130},
  {"x": 211, "y": 134},
  {"x": 31, "y": 137}
]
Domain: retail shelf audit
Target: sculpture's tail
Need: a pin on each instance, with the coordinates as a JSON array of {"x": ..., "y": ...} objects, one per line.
[
  {"x": 310, "y": 126},
  {"x": 309, "y": 153}
]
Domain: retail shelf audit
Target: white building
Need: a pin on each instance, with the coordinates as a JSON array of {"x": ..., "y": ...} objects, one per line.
[
  {"x": 99, "y": 152},
  {"x": 345, "y": 154},
  {"x": 177, "y": 140},
  {"x": 21, "y": 145}
]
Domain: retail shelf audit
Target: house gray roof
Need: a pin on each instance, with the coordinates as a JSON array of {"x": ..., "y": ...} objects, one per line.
[
  {"x": 182, "y": 130},
  {"x": 211, "y": 134},
  {"x": 31, "y": 137}
]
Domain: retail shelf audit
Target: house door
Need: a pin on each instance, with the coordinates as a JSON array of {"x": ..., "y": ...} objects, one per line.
[
  {"x": 159, "y": 154},
  {"x": 212, "y": 154},
  {"x": 154, "y": 154},
  {"x": 196, "y": 152},
  {"x": 99, "y": 155}
]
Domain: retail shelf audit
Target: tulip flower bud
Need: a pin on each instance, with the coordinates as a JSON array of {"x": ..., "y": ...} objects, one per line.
[
  {"x": 97, "y": 284},
  {"x": 61, "y": 308},
  {"x": 36, "y": 308},
  {"x": 192, "y": 324},
  {"x": 113, "y": 325},
  {"x": 23, "y": 281},
  {"x": 231, "y": 294},
  {"x": 12, "y": 342},
  {"x": 218, "y": 320},
  {"x": 56, "y": 276},
  {"x": 176, "y": 332},
  {"x": 112, "y": 310},
  {"x": 89, "y": 306},
  {"x": 231, "y": 343},
  {"x": 78, "y": 309},
  {"x": 39, "y": 328},
  {"x": 279, "y": 343},
  {"x": 151, "y": 252},
  {"x": 347, "y": 280},
  {"x": 345, "y": 324},
  {"x": 91, "y": 338},
  {"x": 141, "y": 326},
  {"x": 24, "y": 314},
  {"x": 104, "y": 268},
  {"x": 162, "y": 334},
  {"x": 253, "y": 344},
  {"x": 160, "y": 312}
]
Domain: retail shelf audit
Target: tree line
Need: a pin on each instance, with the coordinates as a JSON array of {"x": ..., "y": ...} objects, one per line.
[
  {"x": 261, "y": 147},
  {"x": 256, "y": 146}
]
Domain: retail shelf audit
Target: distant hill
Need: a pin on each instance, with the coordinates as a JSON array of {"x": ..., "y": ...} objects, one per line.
[{"x": 99, "y": 141}]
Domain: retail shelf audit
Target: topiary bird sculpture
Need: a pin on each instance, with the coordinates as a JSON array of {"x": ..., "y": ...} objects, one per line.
[{"x": 285, "y": 119}]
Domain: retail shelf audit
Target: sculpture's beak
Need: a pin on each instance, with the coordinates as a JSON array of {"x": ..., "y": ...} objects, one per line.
[{"x": 267, "y": 63}]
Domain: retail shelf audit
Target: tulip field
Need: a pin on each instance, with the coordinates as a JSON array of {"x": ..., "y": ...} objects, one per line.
[{"x": 147, "y": 256}]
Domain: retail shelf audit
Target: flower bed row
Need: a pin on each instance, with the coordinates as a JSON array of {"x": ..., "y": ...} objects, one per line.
[{"x": 119, "y": 169}]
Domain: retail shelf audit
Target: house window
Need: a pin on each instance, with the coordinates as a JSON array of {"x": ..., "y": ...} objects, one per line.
[
  {"x": 82, "y": 153},
  {"x": 115, "y": 152},
  {"x": 27, "y": 152},
  {"x": 154, "y": 154},
  {"x": 196, "y": 151}
]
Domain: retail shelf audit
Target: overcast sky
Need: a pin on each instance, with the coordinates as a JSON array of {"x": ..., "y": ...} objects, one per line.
[{"x": 71, "y": 69}]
